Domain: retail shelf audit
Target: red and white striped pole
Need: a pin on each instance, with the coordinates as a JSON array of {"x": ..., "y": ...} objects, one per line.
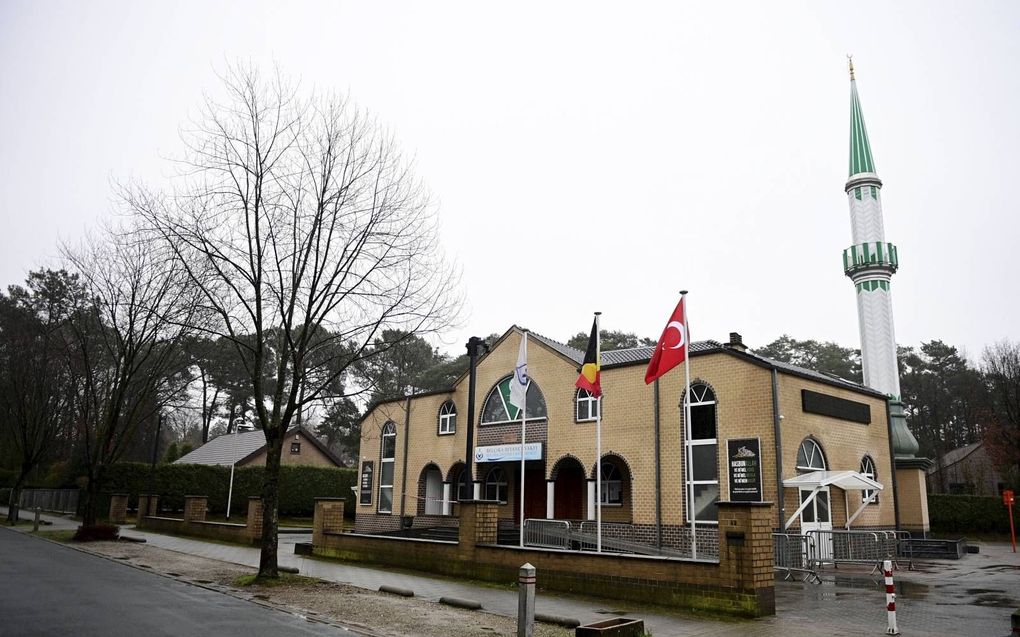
[{"x": 890, "y": 599}]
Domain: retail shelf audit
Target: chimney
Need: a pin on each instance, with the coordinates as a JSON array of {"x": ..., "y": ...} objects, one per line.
[{"x": 737, "y": 342}]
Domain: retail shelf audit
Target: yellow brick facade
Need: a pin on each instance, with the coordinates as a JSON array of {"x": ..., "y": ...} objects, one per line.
[{"x": 743, "y": 388}]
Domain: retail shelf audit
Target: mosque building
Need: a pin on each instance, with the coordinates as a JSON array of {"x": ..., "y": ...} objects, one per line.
[{"x": 823, "y": 452}]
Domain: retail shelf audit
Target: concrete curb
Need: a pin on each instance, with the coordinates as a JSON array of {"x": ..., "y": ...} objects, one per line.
[
  {"x": 457, "y": 602},
  {"x": 566, "y": 622},
  {"x": 293, "y": 570},
  {"x": 396, "y": 590}
]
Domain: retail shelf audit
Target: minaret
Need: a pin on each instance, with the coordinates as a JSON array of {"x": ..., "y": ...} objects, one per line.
[{"x": 870, "y": 263}]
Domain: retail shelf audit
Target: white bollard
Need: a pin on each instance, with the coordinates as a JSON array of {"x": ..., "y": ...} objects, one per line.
[
  {"x": 890, "y": 599},
  {"x": 526, "y": 601}
]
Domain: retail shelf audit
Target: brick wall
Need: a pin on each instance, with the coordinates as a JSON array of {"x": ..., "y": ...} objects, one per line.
[
  {"x": 195, "y": 508},
  {"x": 740, "y": 583}
]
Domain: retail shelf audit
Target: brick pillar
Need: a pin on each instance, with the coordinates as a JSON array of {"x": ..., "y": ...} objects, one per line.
[
  {"x": 118, "y": 508},
  {"x": 745, "y": 552},
  {"x": 146, "y": 506},
  {"x": 479, "y": 523},
  {"x": 328, "y": 518},
  {"x": 912, "y": 495},
  {"x": 194, "y": 508},
  {"x": 254, "y": 522}
]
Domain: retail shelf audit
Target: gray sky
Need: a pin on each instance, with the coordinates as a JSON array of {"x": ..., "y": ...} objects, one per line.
[{"x": 585, "y": 156}]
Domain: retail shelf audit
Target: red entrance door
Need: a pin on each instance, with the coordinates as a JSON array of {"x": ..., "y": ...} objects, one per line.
[
  {"x": 568, "y": 502},
  {"x": 534, "y": 493}
]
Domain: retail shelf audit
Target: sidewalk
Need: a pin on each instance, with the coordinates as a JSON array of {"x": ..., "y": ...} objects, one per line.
[{"x": 974, "y": 596}]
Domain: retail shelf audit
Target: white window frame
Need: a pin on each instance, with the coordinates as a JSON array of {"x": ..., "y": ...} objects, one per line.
[
  {"x": 447, "y": 419},
  {"x": 591, "y": 404},
  {"x": 702, "y": 395},
  {"x": 499, "y": 485},
  {"x": 389, "y": 430},
  {"x": 814, "y": 455},
  {"x": 611, "y": 475},
  {"x": 868, "y": 471},
  {"x": 532, "y": 404}
]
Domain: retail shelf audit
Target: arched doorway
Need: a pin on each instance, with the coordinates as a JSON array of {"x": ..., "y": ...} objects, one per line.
[
  {"x": 430, "y": 491},
  {"x": 569, "y": 497}
]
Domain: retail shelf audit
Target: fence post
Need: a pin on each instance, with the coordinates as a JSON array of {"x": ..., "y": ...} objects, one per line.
[
  {"x": 890, "y": 599},
  {"x": 526, "y": 601},
  {"x": 35, "y": 523}
]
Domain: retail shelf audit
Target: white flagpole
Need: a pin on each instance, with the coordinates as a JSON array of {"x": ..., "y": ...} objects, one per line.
[
  {"x": 598, "y": 441},
  {"x": 687, "y": 429},
  {"x": 524, "y": 415}
]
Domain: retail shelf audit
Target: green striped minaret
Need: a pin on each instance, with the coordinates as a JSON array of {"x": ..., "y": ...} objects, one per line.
[{"x": 870, "y": 263}]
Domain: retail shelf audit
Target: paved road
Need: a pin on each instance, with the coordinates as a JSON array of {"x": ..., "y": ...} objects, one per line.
[
  {"x": 968, "y": 598},
  {"x": 49, "y": 589}
]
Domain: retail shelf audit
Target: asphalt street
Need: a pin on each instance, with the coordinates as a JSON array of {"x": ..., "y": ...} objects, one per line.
[{"x": 53, "y": 590}]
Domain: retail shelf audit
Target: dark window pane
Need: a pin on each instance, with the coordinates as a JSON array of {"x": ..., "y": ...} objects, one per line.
[
  {"x": 386, "y": 473},
  {"x": 704, "y": 462},
  {"x": 536, "y": 402},
  {"x": 389, "y": 446},
  {"x": 705, "y": 498},
  {"x": 702, "y": 422},
  {"x": 808, "y": 514}
]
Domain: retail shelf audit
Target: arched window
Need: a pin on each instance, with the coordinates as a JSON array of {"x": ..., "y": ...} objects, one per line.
[
  {"x": 702, "y": 456},
  {"x": 447, "y": 418},
  {"x": 868, "y": 471},
  {"x": 587, "y": 406},
  {"x": 386, "y": 457},
  {"x": 810, "y": 456},
  {"x": 495, "y": 485},
  {"x": 612, "y": 484},
  {"x": 498, "y": 409}
]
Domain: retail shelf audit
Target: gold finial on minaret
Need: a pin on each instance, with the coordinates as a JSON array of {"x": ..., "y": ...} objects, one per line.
[{"x": 850, "y": 62}]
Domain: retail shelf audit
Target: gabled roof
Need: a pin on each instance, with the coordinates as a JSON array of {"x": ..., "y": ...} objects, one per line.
[
  {"x": 226, "y": 449},
  {"x": 955, "y": 456},
  {"x": 238, "y": 448}
]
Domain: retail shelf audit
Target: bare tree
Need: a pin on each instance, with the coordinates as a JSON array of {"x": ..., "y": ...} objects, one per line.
[
  {"x": 124, "y": 343},
  {"x": 305, "y": 230},
  {"x": 1001, "y": 365}
]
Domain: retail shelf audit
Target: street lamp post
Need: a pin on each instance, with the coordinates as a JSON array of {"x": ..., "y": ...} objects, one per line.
[{"x": 233, "y": 458}]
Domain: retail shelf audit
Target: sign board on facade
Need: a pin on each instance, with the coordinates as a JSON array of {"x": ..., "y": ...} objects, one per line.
[
  {"x": 507, "y": 453},
  {"x": 743, "y": 457},
  {"x": 366, "y": 482}
]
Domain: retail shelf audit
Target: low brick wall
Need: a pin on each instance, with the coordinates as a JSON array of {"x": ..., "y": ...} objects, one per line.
[
  {"x": 740, "y": 583},
  {"x": 194, "y": 523}
]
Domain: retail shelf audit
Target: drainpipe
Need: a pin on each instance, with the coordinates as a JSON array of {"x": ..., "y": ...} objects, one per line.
[
  {"x": 474, "y": 345},
  {"x": 658, "y": 469},
  {"x": 407, "y": 436},
  {"x": 892, "y": 466},
  {"x": 776, "y": 419}
]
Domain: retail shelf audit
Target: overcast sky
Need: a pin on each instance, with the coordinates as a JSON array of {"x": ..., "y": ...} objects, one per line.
[{"x": 585, "y": 156}]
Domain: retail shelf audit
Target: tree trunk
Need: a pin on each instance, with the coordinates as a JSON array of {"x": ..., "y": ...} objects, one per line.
[
  {"x": 270, "y": 504},
  {"x": 90, "y": 513},
  {"x": 13, "y": 504}
]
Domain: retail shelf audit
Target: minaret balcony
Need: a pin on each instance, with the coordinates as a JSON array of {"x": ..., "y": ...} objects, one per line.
[{"x": 873, "y": 255}]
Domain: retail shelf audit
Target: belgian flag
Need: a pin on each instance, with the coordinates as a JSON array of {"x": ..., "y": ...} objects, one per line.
[{"x": 590, "y": 379}]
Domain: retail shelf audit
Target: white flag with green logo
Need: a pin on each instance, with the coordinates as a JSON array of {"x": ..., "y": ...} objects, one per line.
[{"x": 519, "y": 383}]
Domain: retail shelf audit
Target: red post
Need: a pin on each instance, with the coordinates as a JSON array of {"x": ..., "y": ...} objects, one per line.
[{"x": 1007, "y": 499}]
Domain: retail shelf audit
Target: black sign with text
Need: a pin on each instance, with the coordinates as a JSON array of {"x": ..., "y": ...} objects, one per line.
[
  {"x": 366, "y": 482},
  {"x": 743, "y": 457}
]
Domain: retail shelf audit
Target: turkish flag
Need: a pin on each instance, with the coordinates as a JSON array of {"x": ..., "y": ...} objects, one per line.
[{"x": 672, "y": 347}]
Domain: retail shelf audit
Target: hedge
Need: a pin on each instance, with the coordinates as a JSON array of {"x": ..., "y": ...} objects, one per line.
[
  {"x": 299, "y": 486},
  {"x": 969, "y": 514}
]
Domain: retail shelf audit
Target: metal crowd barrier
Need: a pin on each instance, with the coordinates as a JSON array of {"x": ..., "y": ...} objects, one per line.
[
  {"x": 794, "y": 553},
  {"x": 856, "y": 547},
  {"x": 554, "y": 534}
]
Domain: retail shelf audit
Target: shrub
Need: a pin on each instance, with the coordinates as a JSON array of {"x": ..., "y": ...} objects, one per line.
[
  {"x": 299, "y": 486},
  {"x": 97, "y": 533},
  {"x": 968, "y": 514}
]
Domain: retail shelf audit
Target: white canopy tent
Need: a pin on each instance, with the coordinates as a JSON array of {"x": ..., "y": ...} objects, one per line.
[{"x": 846, "y": 480}]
